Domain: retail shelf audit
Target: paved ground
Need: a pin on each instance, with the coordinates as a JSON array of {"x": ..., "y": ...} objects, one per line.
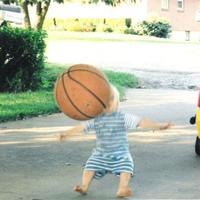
[{"x": 34, "y": 166}]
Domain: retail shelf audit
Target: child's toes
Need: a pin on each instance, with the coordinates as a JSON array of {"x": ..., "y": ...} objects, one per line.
[
  {"x": 79, "y": 189},
  {"x": 127, "y": 192}
]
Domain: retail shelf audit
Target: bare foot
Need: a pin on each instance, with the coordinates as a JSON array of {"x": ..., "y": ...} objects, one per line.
[
  {"x": 125, "y": 192},
  {"x": 81, "y": 189}
]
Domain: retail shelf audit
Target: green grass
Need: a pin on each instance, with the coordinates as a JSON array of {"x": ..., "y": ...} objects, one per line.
[
  {"x": 50, "y": 74},
  {"x": 21, "y": 105},
  {"x": 122, "y": 81},
  {"x": 84, "y": 36},
  {"x": 59, "y": 36},
  {"x": 119, "y": 79}
]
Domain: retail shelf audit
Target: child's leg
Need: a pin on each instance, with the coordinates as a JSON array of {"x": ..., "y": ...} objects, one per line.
[
  {"x": 124, "y": 190},
  {"x": 86, "y": 180}
]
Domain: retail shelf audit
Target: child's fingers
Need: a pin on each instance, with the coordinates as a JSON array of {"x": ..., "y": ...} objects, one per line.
[
  {"x": 170, "y": 124},
  {"x": 166, "y": 126},
  {"x": 61, "y": 137}
]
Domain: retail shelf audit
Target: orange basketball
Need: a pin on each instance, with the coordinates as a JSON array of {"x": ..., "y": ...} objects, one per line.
[{"x": 82, "y": 92}]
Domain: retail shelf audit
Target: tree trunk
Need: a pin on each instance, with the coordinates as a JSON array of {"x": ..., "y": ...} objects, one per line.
[
  {"x": 41, "y": 13},
  {"x": 27, "y": 21}
]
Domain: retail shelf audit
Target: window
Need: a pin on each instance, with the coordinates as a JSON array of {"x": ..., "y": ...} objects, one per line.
[
  {"x": 180, "y": 5},
  {"x": 187, "y": 35},
  {"x": 165, "y": 4}
]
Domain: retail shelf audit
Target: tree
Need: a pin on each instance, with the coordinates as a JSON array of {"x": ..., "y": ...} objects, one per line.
[
  {"x": 112, "y": 2},
  {"x": 42, "y": 7}
]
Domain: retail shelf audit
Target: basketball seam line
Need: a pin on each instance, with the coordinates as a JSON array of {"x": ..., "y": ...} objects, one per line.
[
  {"x": 66, "y": 93},
  {"x": 86, "y": 71},
  {"x": 92, "y": 93}
]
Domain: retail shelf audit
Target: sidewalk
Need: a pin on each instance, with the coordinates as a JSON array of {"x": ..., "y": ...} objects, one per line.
[{"x": 35, "y": 166}]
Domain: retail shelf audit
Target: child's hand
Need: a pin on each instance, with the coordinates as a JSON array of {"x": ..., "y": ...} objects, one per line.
[
  {"x": 66, "y": 135},
  {"x": 62, "y": 137},
  {"x": 75, "y": 131},
  {"x": 164, "y": 126}
]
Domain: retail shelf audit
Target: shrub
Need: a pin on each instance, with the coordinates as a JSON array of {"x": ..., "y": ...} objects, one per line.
[
  {"x": 156, "y": 27},
  {"x": 128, "y": 22},
  {"x": 86, "y": 24},
  {"x": 108, "y": 29},
  {"x": 130, "y": 31},
  {"x": 21, "y": 59},
  {"x": 80, "y": 26}
]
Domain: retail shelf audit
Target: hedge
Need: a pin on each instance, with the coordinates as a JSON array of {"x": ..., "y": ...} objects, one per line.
[{"x": 21, "y": 59}]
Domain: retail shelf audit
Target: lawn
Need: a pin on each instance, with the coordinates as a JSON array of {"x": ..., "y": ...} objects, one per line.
[
  {"x": 27, "y": 104},
  {"x": 59, "y": 36},
  {"x": 87, "y": 36}
]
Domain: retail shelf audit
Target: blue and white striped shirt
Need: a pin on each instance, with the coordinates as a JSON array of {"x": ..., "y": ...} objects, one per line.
[{"x": 111, "y": 132}]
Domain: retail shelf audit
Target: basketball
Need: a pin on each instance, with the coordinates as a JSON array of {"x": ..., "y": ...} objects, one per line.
[{"x": 82, "y": 92}]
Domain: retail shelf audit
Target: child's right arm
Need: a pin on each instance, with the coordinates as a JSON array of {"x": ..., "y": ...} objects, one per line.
[
  {"x": 132, "y": 122},
  {"x": 75, "y": 131}
]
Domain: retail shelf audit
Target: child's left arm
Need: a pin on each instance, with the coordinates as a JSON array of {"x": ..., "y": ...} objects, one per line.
[
  {"x": 147, "y": 123},
  {"x": 133, "y": 121}
]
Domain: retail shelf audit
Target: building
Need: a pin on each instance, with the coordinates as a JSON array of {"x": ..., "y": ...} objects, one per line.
[{"x": 183, "y": 15}]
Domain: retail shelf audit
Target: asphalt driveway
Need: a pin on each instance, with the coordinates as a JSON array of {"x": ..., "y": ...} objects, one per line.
[{"x": 35, "y": 166}]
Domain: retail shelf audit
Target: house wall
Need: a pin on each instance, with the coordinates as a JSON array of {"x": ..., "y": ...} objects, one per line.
[{"x": 180, "y": 20}]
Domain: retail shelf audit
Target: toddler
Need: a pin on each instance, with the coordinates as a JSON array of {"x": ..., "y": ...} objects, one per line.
[{"x": 111, "y": 154}]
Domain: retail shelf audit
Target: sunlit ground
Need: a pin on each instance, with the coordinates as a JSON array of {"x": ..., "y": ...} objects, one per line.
[{"x": 46, "y": 135}]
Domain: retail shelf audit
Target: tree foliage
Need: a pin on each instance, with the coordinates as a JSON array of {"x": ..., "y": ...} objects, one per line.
[
  {"x": 111, "y": 2},
  {"x": 42, "y": 7}
]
